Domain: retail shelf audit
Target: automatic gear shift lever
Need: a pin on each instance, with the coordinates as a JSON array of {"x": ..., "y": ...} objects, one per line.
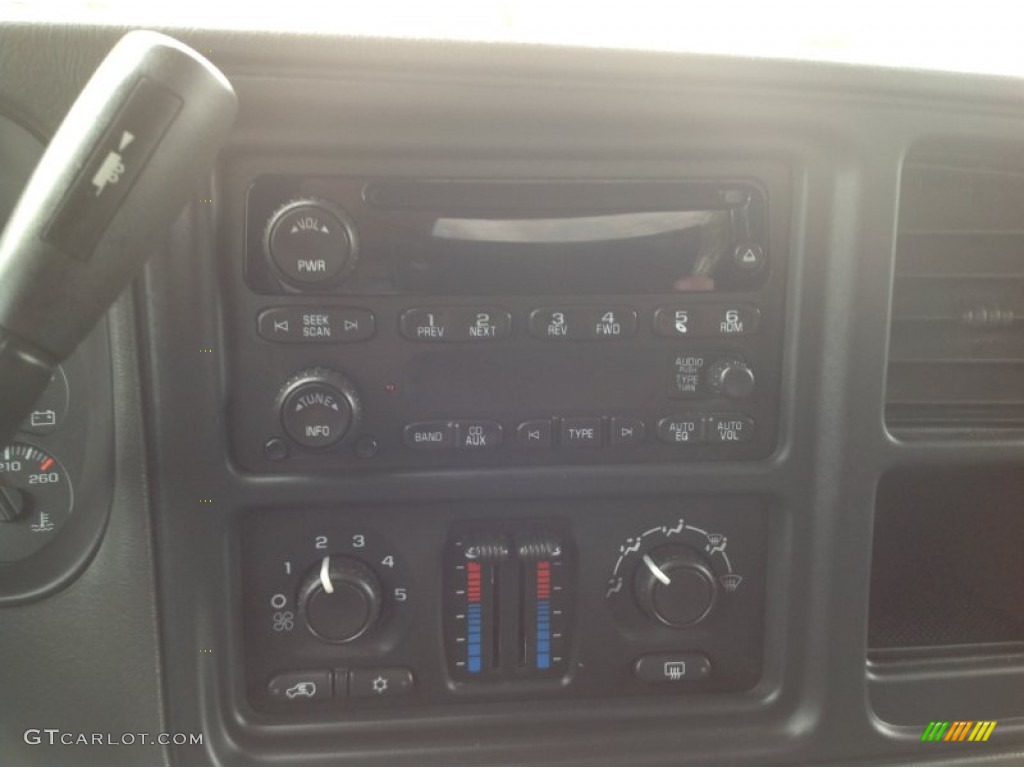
[{"x": 135, "y": 145}]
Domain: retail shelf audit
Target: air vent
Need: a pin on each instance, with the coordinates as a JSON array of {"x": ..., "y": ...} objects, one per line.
[{"x": 956, "y": 354}]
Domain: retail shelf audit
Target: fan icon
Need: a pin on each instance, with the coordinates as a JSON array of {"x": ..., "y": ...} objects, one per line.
[{"x": 380, "y": 684}]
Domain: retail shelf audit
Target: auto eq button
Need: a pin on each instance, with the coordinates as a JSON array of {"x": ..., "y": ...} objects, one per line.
[{"x": 686, "y": 429}]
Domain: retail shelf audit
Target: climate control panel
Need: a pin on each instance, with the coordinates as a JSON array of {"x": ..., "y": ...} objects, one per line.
[{"x": 407, "y": 606}]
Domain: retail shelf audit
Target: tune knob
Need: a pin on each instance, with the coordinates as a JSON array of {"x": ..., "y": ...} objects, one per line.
[
  {"x": 319, "y": 408},
  {"x": 311, "y": 242},
  {"x": 731, "y": 377},
  {"x": 674, "y": 585},
  {"x": 340, "y": 599}
]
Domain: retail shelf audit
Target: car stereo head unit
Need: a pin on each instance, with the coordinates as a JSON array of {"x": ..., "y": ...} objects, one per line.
[{"x": 389, "y": 323}]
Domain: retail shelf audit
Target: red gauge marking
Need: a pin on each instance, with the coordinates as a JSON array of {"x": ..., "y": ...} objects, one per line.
[{"x": 46, "y": 465}]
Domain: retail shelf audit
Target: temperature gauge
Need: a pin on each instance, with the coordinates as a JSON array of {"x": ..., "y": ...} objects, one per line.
[{"x": 35, "y": 500}]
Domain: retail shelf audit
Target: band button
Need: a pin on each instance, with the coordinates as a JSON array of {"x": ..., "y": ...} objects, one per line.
[{"x": 430, "y": 435}]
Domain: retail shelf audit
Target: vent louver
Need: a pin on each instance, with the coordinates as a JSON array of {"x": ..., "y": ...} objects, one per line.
[{"x": 956, "y": 351}]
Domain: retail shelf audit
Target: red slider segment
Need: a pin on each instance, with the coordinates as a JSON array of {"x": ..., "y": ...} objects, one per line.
[
  {"x": 543, "y": 580},
  {"x": 473, "y": 581}
]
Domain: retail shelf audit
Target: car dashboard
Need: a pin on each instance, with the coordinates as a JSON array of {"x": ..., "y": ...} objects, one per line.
[{"x": 523, "y": 404}]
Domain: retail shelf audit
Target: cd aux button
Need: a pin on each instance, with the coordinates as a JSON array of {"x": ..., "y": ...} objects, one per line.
[{"x": 479, "y": 435}]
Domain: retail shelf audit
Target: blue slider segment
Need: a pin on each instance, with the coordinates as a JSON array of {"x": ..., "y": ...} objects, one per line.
[
  {"x": 474, "y": 637},
  {"x": 543, "y": 634}
]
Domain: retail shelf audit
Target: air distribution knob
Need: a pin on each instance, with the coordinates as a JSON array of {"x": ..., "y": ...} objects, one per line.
[
  {"x": 319, "y": 408},
  {"x": 731, "y": 377},
  {"x": 340, "y": 599},
  {"x": 675, "y": 586}
]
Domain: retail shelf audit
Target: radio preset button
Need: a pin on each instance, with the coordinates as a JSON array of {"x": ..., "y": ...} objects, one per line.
[
  {"x": 427, "y": 325},
  {"x": 582, "y": 432},
  {"x": 677, "y": 321},
  {"x": 323, "y": 325},
  {"x": 430, "y": 435},
  {"x": 558, "y": 324},
  {"x": 455, "y": 324},
  {"x": 611, "y": 323},
  {"x": 733, "y": 320},
  {"x": 535, "y": 434},
  {"x": 627, "y": 431},
  {"x": 686, "y": 429},
  {"x": 730, "y": 428},
  {"x": 479, "y": 435},
  {"x": 481, "y": 324}
]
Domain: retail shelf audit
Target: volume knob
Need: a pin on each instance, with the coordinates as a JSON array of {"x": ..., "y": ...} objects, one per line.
[{"x": 311, "y": 242}]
